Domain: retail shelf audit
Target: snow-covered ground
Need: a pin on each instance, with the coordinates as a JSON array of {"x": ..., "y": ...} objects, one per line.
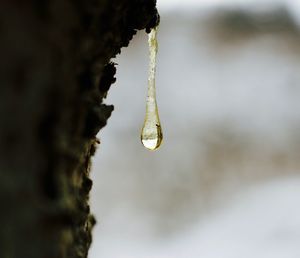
[
  {"x": 262, "y": 221},
  {"x": 226, "y": 182}
]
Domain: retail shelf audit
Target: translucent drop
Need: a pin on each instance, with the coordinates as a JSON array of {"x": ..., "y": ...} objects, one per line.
[{"x": 151, "y": 135}]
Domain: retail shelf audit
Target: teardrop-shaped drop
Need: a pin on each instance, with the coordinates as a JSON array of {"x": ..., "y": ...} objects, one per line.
[{"x": 151, "y": 135}]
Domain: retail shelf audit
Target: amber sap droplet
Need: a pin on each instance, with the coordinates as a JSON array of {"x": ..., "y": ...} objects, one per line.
[{"x": 151, "y": 135}]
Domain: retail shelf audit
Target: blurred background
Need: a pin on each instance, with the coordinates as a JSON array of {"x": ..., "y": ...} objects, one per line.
[{"x": 226, "y": 181}]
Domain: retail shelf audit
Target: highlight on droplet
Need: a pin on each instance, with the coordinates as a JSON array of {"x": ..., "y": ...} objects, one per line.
[{"x": 151, "y": 135}]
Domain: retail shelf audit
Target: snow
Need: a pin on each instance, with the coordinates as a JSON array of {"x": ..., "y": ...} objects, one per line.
[{"x": 262, "y": 222}]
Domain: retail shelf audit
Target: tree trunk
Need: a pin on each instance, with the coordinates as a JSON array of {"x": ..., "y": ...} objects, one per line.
[{"x": 55, "y": 71}]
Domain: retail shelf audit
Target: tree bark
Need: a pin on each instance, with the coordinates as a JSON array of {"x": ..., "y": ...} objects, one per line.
[{"x": 55, "y": 71}]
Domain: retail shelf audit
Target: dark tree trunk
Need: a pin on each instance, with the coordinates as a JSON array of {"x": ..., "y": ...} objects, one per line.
[{"x": 55, "y": 71}]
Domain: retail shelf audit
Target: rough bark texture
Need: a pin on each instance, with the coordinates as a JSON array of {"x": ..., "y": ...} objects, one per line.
[{"x": 55, "y": 71}]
